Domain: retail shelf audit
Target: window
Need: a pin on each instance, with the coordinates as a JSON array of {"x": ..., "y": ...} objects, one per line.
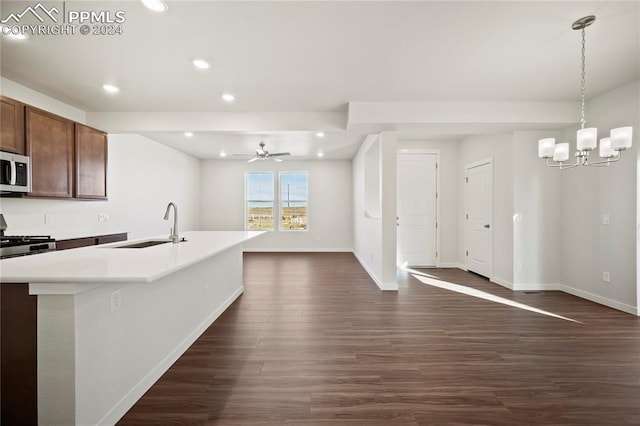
[
  {"x": 291, "y": 204},
  {"x": 294, "y": 201},
  {"x": 260, "y": 201}
]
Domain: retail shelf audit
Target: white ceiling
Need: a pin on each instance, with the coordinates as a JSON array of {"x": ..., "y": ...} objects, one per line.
[{"x": 303, "y": 56}]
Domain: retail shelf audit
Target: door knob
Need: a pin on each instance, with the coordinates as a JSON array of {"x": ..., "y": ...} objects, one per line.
[{"x": 487, "y": 226}]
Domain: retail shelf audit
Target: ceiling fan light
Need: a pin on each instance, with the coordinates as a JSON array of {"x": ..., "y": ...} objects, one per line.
[
  {"x": 621, "y": 138},
  {"x": 561, "y": 152},
  {"x": 546, "y": 147},
  {"x": 587, "y": 139}
]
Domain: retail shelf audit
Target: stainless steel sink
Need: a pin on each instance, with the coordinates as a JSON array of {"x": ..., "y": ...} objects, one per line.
[{"x": 143, "y": 244}]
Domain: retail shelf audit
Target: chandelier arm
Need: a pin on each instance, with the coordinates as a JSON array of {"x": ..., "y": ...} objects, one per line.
[
  {"x": 606, "y": 162},
  {"x": 563, "y": 166}
]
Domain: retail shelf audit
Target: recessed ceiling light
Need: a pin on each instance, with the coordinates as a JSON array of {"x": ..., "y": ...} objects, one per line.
[
  {"x": 201, "y": 64},
  {"x": 110, "y": 88},
  {"x": 11, "y": 35},
  {"x": 228, "y": 97},
  {"x": 188, "y": 134},
  {"x": 320, "y": 134},
  {"x": 155, "y": 5},
  {"x": 320, "y": 154},
  {"x": 223, "y": 154}
]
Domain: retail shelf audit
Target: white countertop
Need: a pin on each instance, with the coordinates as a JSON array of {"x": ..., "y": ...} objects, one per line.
[{"x": 103, "y": 263}]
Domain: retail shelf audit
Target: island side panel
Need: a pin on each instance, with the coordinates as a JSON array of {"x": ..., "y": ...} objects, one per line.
[
  {"x": 18, "y": 355},
  {"x": 120, "y": 354},
  {"x": 56, "y": 360}
]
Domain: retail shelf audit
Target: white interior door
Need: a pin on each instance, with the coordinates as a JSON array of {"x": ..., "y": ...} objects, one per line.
[
  {"x": 479, "y": 202},
  {"x": 417, "y": 209}
]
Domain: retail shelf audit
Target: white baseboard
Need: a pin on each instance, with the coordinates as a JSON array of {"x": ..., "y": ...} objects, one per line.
[
  {"x": 633, "y": 310},
  {"x": 297, "y": 250},
  {"x": 129, "y": 400},
  {"x": 538, "y": 287},
  {"x": 383, "y": 286},
  {"x": 452, "y": 265},
  {"x": 630, "y": 309},
  {"x": 503, "y": 283}
]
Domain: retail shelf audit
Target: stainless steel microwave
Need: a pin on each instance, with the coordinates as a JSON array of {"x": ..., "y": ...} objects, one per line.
[{"x": 15, "y": 173}]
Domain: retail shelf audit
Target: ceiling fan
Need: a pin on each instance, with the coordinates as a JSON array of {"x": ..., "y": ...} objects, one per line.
[{"x": 263, "y": 154}]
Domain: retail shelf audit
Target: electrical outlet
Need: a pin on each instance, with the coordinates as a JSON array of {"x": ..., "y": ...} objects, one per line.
[
  {"x": 518, "y": 265},
  {"x": 103, "y": 217},
  {"x": 116, "y": 300},
  {"x": 606, "y": 219},
  {"x": 48, "y": 219},
  {"x": 606, "y": 277}
]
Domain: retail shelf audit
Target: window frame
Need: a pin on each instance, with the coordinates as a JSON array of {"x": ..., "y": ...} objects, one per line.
[
  {"x": 280, "y": 201},
  {"x": 274, "y": 201}
]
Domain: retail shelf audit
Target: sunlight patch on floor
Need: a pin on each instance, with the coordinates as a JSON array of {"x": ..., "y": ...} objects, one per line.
[{"x": 432, "y": 281}]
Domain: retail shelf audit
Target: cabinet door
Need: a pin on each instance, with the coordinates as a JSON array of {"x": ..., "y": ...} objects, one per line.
[
  {"x": 75, "y": 243},
  {"x": 50, "y": 147},
  {"x": 113, "y": 238},
  {"x": 91, "y": 163},
  {"x": 12, "y": 126}
]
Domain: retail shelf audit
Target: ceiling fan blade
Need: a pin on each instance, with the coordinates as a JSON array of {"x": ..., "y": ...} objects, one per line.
[
  {"x": 242, "y": 155},
  {"x": 278, "y": 160},
  {"x": 279, "y": 154},
  {"x": 253, "y": 159}
]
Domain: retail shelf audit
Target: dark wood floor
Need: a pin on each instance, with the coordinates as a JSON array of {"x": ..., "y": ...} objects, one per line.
[{"x": 312, "y": 341}]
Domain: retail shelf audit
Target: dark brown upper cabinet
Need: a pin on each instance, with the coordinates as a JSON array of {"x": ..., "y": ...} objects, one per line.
[
  {"x": 12, "y": 126},
  {"x": 50, "y": 146},
  {"x": 91, "y": 163}
]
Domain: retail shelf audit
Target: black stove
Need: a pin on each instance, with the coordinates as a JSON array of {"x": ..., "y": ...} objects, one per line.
[{"x": 23, "y": 245}]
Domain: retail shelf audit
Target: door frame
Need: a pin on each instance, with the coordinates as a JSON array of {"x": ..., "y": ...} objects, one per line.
[
  {"x": 435, "y": 152},
  {"x": 467, "y": 167}
]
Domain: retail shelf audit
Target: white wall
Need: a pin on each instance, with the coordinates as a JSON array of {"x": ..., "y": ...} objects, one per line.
[
  {"x": 447, "y": 197},
  {"x": 143, "y": 176},
  {"x": 375, "y": 237},
  {"x": 500, "y": 149},
  {"x": 330, "y": 203},
  {"x": 589, "y": 247},
  {"x": 389, "y": 188},
  {"x": 537, "y": 200},
  {"x": 31, "y": 97},
  {"x": 367, "y": 230}
]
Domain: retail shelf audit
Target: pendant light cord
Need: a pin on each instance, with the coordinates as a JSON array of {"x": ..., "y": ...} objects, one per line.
[{"x": 582, "y": 82}]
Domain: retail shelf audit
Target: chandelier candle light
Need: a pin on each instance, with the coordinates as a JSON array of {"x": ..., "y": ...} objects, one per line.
[{"x": 587, "y": 138}]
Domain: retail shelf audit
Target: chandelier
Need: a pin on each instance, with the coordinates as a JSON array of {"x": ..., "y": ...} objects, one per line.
[{"x": 587, "y": 138}]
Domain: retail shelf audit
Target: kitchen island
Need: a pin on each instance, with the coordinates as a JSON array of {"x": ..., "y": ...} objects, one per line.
[{"x": 111, "y": 320}]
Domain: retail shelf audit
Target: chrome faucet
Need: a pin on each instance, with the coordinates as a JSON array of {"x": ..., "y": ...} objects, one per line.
[{"x": 174, "y": 231}]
